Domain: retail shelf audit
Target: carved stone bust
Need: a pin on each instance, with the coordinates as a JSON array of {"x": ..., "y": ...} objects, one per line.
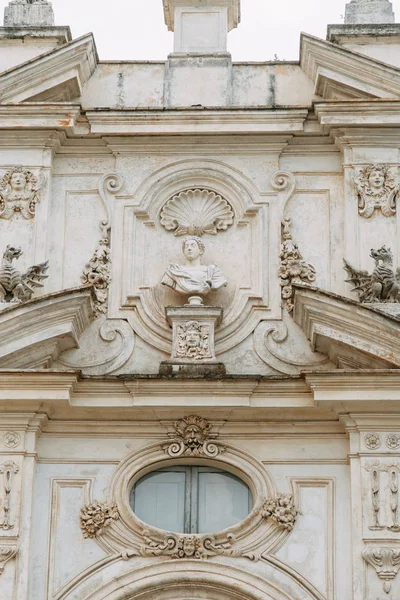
[{"x": 193, "y": 277}]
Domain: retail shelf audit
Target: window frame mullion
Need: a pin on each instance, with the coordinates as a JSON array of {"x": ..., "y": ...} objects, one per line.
[
  {"x": 188, "y": 500},
  {"x": 194, "y": 497}
]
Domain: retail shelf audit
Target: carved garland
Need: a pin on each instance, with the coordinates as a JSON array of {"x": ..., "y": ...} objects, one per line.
[
  {"x": 97, "y": 272},
  {"x": 9, "y": 469},
  {"x": 293, "y": 269},
  {"x": 95, "y": 517},
  {"x": 117, "y": 529}
]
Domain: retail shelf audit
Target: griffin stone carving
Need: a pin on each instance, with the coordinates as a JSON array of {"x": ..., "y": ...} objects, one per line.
[
  {"x": 17, "y": 287},
  {"x": 384, "y": 283}
]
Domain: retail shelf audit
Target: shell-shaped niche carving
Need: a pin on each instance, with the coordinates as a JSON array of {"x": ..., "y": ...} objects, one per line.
[{"x": 196, "y": 212}]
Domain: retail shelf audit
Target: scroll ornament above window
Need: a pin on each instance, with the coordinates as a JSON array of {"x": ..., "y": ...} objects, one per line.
[
  {"x": 377, "y": 189},
  {"x": 193, "y": 437},
  {"x": 121, "y": 527},
  {"x": 196, "y": 212},
  {"x": 19, "y": 193}
]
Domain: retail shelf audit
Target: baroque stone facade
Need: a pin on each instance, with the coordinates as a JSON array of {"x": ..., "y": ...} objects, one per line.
[{"x": 196, "y": 399}]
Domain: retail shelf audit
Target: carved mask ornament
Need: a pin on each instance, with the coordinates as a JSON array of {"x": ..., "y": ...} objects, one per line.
[
  {"x": 377, "y": 189},
  {"x": 19, "y": 193}
]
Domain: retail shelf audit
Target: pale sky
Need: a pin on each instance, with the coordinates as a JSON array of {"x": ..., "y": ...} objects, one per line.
[{"x": 135, "y": 29}]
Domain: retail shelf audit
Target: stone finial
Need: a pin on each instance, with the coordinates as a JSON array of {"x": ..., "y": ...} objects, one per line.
[
  {"x": 360, "y": 12},
  {"x": 29, "y": 13},
  {"x": 201, "y": 26}
]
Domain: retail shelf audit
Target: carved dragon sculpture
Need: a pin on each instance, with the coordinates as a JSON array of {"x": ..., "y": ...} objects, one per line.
[
  {"x": 383, "y": 285},
  {"x": 17, "y": 287}
]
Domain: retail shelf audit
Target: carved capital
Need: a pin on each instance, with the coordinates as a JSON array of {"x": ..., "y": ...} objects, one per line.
[
  {"x": 386, "y": 562},
  {"x": 192, "y": 437},
  {"x": 95, "y": 517},
  {"x": 6, "y": 554}
]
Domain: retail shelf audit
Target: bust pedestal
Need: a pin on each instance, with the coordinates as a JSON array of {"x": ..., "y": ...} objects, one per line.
[{"x": 193, "y": 339}]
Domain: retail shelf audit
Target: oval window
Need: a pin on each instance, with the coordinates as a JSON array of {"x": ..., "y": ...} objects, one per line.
[{"x": 191, "y": 499}]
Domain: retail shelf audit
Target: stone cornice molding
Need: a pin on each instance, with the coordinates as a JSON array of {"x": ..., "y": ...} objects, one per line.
[
  {"x": 56, "y": 76},
  {"x": 336, "y": 70},
  {"x": 33, "y": 334},
  {"x": 197, "y": 121},
  {"x": 360, "y": 119},
  {"x": 332, "y": 322},
  {"x": 36, "y": 116},
  {"x": 68, "y": 393}
]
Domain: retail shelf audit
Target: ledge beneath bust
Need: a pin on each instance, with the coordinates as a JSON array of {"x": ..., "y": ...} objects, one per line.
[
  {"x": 62, "y": 34},
  {"x": 366, "y": 32}
]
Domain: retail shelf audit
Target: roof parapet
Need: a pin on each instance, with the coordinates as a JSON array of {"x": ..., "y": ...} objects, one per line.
[
  {"x": 359, "y": 12},
  {"x": 201, "y": 26},
  {"x": 29, "y": 13}
]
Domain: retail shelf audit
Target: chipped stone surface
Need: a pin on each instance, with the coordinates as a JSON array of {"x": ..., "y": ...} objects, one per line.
[
  {"x": 302, "y": 405},
  {"x": 29, "y": 13},
  {"x": 369, "y": 11}
]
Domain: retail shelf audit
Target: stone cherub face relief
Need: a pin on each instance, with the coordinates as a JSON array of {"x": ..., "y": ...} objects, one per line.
[
  {"x": 193, "y": 278},
  {"x": 377, "y": 180},
  {"x": 18, "y": 182}
]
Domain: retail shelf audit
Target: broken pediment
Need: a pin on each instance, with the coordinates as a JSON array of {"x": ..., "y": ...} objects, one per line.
[
  {"x": 34, "y": 334},
  {"x": 353, "y": 335},
  {"x": 56, "y": 76},
  {"x": 341, "y": 74}
]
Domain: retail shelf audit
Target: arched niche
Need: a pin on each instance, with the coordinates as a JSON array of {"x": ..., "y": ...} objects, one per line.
[{"x": 188, "y": 580}]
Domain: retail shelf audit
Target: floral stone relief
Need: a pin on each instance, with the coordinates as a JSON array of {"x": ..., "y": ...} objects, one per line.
[
  {"x": 383, "y": 285},
  {"x": 293, "y": 268},
  {"x": 377, "y": 189},
  {"x": 97, "y": 272},
  {"x": 196, "y": 212},
  {"x": 95, "y": 517},
  {"x": 19, "y": 193}
]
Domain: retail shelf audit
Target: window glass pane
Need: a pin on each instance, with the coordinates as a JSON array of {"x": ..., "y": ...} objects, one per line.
[
  {"x": 223, "y": 501},
  {"x": 159, "y": 499}
]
